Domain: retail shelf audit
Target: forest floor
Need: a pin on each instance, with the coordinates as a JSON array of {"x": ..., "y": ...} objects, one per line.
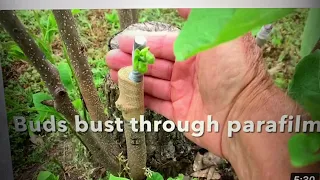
[{"x": 63, "y": 154}]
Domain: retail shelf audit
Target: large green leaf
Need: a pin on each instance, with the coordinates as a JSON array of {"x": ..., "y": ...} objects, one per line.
[
  {"x": 66, "y": 75},
  {"x": 311, "y": 33},
  {"x": 206, "y": 28},
  {"x": 305, "y": 85},
  {"x": 304, "y": 149},
  {"x": 305, "y": 89}
]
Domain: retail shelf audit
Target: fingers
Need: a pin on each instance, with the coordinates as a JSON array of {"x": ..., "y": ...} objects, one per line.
[
  {"x": 162, "y": 107},
  {"x": 160, "y": 43},
  {"x": 184, "y": 12},
  {"x": 161, "y": 69},
  {"x": 157, "y": 88}
]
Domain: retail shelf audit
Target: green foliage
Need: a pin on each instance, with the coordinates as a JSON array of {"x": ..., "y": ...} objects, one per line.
[
  {"x": 113, "y": 18},
  {"x": 75, "y": 11},
  {"x": 79, "y": 107},
  {"x": 151, "y": 175},
  {"x": 65, "y": 73},
  {"x": 48, "y": 27},
  {"x": 112, "y": 177},
  {"x": 311, "y": 34},
  {"x": 305, "y": 86},
  {"x": 47, "y": 175},
  {"x": 141, "y": 59},
  {"x": 155, "y": 176},
  {"x": 44, "y": 111},
  {"x": 179, "y": 177},
  {"x": 15, "y": 52},
  {"x": 304, "y": 149},
  {"x": 207, "y": 28},
  {"x": 305, "y": 89}
]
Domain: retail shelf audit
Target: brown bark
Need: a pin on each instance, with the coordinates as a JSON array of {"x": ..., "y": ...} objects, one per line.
[
  {"x": 47, "y": 71},
  {"x": 77, "y": 53},
  {"x": 128, "y": 17},
  {"x": 104, "y": 150}
]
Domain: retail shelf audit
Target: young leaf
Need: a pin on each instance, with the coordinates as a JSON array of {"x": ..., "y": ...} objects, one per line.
[
  {"x": 155, "y": 176},
  {"x": 144, "y": 51},
  {"x": 75, "y": 11},
  {"x": 304, "y": 149},
  {"x": 143, "y": 68},
  {"x": 311, "y": 34},
  {"x": 112, "y": 177},
  {"x": 46, "y": 175},
  {"x": 150, "y": 58},
  {"x": 305, "y": 85},
  {"x": 65, "y": 73},
  {"x": 207, "y": 28}
]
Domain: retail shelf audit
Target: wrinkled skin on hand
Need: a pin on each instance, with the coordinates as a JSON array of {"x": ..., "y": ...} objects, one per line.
[{"x": 209, "y": 83}]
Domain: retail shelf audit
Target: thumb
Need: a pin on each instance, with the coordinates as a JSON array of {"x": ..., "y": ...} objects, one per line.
[{"x": 184, "y": 12}]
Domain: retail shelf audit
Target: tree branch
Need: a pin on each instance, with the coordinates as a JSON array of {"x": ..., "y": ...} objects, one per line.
[
  {"x": 128, "y": 17},
  {"x": 77, "y": 53},
  {"x": 47, "y": 71},
  {"x": 101, "y": 146}
]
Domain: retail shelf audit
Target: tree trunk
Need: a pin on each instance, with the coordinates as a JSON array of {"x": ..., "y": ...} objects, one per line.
[
  {"x": 128, "y": 17},
  {"x": 104, "y": 150},
  {"x": 168, "y": 153}
]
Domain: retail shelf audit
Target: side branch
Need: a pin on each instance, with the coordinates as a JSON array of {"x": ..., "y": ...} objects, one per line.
[
  {"x": 101, "y": 146},
  {"x": 76, "y": 51},
  {"x": 47, "y": 71}
]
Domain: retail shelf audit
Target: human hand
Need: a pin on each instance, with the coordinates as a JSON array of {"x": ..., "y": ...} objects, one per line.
[{"x": 211, "y": 83}]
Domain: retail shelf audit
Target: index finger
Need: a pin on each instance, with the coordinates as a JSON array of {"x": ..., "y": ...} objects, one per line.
[{"x": 159, "y": 43}]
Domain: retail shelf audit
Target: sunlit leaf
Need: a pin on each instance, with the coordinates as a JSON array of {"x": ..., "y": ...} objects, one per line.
[{"x": 207, "y": 28}]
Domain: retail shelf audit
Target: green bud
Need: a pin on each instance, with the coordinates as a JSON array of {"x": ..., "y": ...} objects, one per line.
[
  {"x": 150, "y": 58},
  {"x": 144, "y": 51},
  {"x": 143, "y": 67}
]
